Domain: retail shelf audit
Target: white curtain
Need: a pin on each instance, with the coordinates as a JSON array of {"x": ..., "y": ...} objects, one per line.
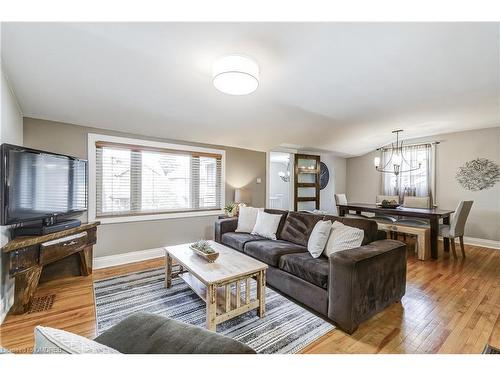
[{"x": 418, "y": 182}]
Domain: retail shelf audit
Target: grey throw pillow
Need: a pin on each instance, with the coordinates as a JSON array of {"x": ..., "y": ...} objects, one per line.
[{"x": 56, "y": 341}]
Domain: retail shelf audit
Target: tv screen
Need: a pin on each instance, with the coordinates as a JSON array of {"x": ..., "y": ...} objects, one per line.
[{"x": 38, "y": 184}]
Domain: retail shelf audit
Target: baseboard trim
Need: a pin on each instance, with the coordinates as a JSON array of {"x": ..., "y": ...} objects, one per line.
[
  {"x": 482, "y": 242},
  {"x": 491, "y": 244},
  {"x": 125, "y": 258},
  {"x": 137, "y": 256}
]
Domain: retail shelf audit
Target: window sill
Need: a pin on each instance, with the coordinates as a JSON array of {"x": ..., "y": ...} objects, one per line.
[{"x": 152, "y": 217}]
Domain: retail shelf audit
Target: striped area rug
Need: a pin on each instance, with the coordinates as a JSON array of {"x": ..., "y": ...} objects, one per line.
[{"x": 286, "y": 327}]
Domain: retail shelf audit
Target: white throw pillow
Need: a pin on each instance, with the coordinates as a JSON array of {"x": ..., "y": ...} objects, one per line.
[
  {"x": 319, "y": 237},
  {"x": 247, "y": 219},
  {"x": 266, "y": 225},
  {"x": 343, "y": 237},
  {"x": 55, "y": 341}
]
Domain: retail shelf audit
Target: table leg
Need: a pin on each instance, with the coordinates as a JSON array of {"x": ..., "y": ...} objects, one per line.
[
  {"x": 211, "y": 306},
  {"x": 261, "y": 293},
  {"x": 434, "y": 221},
  {"x": 446, "y": 241},
  {"x": 168, "y": 271}
]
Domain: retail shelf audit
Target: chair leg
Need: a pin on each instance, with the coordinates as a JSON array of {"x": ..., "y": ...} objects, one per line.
[
  {"x": 461, "y": 238},
  {"x": 452, "y": 243}
]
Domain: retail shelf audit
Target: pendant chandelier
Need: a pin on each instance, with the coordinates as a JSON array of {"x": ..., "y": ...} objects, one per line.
[
  {"x": 285, "y": 176},
  {"x": 397, "y": 163}
]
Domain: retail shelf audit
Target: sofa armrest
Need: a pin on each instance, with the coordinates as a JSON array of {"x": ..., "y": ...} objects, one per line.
[
  {"x": 144, "y": 333},
  {"x": 364, "y": 281},
  {"x": 224, "y": 226}
]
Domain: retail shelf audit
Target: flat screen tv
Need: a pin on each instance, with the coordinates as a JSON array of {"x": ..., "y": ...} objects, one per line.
[{"x": 39, "y": 185}]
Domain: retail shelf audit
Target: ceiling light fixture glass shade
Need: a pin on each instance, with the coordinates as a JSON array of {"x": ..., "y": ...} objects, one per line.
[{"x": 235, "y": 75}]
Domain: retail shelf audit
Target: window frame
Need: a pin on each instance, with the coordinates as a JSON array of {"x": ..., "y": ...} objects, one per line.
[{"x": 92, "y": 138}]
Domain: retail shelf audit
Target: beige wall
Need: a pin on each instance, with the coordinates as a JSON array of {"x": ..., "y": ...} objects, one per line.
[
  {"x": 11, "y": 131},
  {"x": 242, "y": 169},
  {"x": 363, "y": 182}
]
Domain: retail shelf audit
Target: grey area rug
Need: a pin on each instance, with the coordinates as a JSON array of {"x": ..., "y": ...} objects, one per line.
[{"x": 286, "y": 327}]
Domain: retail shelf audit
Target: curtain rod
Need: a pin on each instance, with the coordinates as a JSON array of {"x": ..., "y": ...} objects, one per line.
[{"x": 412, "y": 144}]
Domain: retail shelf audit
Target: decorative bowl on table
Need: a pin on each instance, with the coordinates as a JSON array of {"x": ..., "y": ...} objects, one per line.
[
  {"x": 389, "y": 204},
  {"x": 203, "y": 249}
]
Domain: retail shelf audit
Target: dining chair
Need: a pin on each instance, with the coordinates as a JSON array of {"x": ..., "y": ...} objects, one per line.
[
  {"x": 415, "y": 202},
  {"x": 342, "y": 200},
  {"x": 456, "y": 228}
]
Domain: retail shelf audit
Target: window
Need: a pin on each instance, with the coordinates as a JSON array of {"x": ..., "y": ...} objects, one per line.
[
  {"x": 419, "y": 182},
  {"x": 136, "y": 178}
]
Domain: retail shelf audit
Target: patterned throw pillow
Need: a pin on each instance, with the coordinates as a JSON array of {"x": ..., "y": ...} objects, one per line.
[
  {"x": 55, "y": 341},
  {"x": 343, "y": 237}
]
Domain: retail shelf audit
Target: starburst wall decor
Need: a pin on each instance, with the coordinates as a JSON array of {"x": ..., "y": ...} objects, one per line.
[{"x": 478, "y": 174}]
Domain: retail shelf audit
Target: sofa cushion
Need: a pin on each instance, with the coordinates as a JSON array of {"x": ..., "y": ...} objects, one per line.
[
  {"x": 143, "y": 333},
  {"x": 298, "y": 227},
  {"x": 238, "y": 240},
  {"x": 369, "y": 227},
  {"x": 304, "y": 266},
  {"x": 270, "y": 251}
]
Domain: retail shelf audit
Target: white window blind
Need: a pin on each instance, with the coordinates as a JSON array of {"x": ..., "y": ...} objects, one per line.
[{"x": 138, "y": 180}]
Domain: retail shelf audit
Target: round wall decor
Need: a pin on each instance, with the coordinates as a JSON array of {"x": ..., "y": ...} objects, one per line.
[
  {"x": 478, "y": 174},
  {"x": 324, "y": 175}
]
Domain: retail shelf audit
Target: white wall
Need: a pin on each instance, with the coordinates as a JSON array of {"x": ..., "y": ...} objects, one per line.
[
  {"x": 11, "y": 131},
  {"x": 363, "y": 182},
  {"x": 337, "y": 184}
]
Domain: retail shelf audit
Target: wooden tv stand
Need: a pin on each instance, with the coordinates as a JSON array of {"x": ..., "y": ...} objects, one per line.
[{"x": 27, "y": 256}]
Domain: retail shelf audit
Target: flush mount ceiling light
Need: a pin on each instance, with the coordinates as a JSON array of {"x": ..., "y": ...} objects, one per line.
[{"x": 236, "y": 75}]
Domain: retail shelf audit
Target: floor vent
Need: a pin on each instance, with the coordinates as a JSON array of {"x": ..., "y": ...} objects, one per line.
[{"x": 42, "y": 303}]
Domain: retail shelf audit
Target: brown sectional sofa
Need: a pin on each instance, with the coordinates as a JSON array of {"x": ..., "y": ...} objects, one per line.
[{"x": 349, "y": 287}]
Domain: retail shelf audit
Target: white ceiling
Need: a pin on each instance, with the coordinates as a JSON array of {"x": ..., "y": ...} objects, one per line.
[{"x": 340, "y": 87}]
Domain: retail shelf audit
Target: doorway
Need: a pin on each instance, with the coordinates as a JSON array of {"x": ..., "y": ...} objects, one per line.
[{"x": 280, "y": 177}]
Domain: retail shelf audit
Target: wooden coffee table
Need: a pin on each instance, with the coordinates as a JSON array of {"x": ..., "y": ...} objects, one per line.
[{"x": 219, "y": 284}]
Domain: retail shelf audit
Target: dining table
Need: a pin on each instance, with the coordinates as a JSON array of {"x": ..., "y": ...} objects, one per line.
[{"x": 433, "y": 215}]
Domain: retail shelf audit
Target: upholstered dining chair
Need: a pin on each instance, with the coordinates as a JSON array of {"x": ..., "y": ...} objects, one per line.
[
  {"x": 456, "y": 228},
  {"x": 342, "y": 199},
  {"x": 415, "y": 202}
]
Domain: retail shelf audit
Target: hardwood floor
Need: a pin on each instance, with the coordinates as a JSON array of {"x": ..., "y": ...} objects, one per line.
[{"x": 450, "y": 306}]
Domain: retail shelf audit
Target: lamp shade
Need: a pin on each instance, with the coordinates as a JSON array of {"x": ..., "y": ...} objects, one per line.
[
  {"x": 242, "y": 196},
  {"x": 235, "y": 75}
]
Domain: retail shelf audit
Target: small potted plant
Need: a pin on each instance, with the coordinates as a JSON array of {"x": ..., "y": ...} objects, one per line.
[
  {"x": 203, "y": 249},
  {"x": 231, "y": 209}
]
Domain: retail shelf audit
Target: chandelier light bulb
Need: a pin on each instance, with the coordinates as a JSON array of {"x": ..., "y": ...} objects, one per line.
[{"x": 396, "y": 159}]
